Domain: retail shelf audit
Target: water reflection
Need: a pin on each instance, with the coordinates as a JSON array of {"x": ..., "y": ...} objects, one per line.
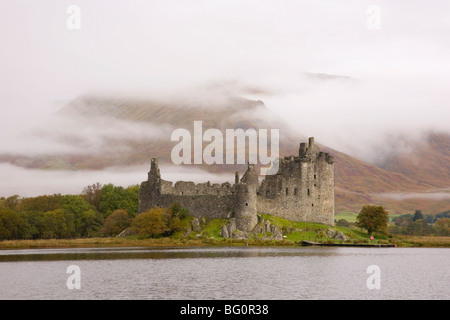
[
  {"x": 225, "y": 273},
  {"x": 157, "y": 253}
]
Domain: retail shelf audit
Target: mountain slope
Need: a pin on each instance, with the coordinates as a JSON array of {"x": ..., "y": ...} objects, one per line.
[
  {"x": 428, "y": 161},
  {"x": 121, "y": 125}
]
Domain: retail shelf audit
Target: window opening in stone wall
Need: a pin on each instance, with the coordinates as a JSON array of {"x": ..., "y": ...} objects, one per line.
[
  {"x": 287, "y": 191},
  {"x": 295, "y": 191},
  {"x": 308, "y": 192}
]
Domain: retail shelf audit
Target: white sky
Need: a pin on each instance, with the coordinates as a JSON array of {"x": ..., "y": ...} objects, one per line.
[{"x": 156, "y": 48}]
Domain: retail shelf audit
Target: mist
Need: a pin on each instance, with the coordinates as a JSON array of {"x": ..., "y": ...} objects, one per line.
[
  {"x": 34, "y": 182},
  {"x": 434, "y": 195},
  {"x": 386, "y": 88},
  {"x": 60, "y": 134}
]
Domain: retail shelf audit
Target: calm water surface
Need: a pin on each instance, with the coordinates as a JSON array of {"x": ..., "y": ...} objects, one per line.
[{"x": 226, "y": 273}]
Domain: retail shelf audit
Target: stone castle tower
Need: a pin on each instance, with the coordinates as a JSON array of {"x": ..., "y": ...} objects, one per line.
[{"x": 302, "y": 190}]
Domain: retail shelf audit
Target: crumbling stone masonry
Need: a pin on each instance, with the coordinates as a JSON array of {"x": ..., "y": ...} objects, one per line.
[{"x": 302, "y": 190}]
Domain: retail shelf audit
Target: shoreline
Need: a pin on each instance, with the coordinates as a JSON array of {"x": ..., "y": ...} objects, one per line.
[{"x": 403, "y": 241}]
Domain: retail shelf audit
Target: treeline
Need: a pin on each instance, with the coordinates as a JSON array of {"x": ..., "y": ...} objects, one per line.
[
  {"x": 419, "y": 224},
  {"x": 97, "y": 211}
]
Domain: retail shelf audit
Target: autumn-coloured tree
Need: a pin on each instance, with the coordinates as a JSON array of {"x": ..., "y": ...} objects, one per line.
[
  {"x": 153, "y": 222},
  {"x": 442, "y": 226},
  {"x": 116, "y": 222}
]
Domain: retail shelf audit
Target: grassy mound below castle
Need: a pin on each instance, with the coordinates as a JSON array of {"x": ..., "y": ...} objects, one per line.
[{"x": 271, "y": 230}]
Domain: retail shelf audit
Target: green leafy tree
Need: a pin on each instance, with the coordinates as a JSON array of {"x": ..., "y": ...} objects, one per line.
[
  {"x": 43, "y": 203},
  {"x": 418, "y": 215},
  {"x": 117, "y": 197},
  {"x": 177, "y": 211},
  {"x": 373, "y": 219},
  {"x": 12, "y": 203},
  {"x": 343, "y": 223},
  {"x": 116, "y": 222},
  {"x": 54, "y": 225},
  {"x": 11, "y": 225},
  {"x": 86, "y": 221},
  {"x": 415, "y": 228},
  {"x": 33, "y": 226}
]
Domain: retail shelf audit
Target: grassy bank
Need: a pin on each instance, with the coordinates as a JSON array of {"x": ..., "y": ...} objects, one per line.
[
  {"x": 422, "y": 241},
  {"x": 403, "y": 241},
  {"x": 209, "y": 235},
  {"x": 133, "y": 242}
]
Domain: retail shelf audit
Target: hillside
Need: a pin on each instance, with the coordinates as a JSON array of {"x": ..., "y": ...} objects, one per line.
[
  {"x": 428, "y": 161},
  {"x": 142, "y": 128}
]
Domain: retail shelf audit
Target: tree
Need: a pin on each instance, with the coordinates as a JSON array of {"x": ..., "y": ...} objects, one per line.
[
  {"x": 86, "y": 220},
  {"x": 153, "y": 222},
  {"x": 43, "y": 203},
  {"x": 419, "y": 228},
  {"x": 373, "y": 219},
  {"x": 417, "y": 215},
  {"x": 116, "y": 222},
  {"x": 177, "y": 211},
  {"x": 10, "y": 225},
  {"x": 117, "y": 197},
  {"x": 442, "y": 227},
  {"x": 92, "y": 194},
  {"x": 343, "y": 223},
  {"x": 54, "y": 225},
  {"x": 32, "y": 224},
  {"x": 12, "y": 202}
]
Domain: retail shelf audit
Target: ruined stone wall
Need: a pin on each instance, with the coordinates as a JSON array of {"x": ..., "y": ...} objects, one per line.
[
  {"x": 189, "y": 188},
  {"x": 303, "y": 190},
  {"x": 203, "y": 199},
  {"x": 210, "y": 206}
]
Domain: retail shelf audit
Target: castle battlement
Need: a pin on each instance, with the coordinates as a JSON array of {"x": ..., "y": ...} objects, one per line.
[{"x": 302, "y": 190}]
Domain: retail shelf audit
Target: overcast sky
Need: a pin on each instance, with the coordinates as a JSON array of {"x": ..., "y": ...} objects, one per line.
[{"x": 397, "y": 52}]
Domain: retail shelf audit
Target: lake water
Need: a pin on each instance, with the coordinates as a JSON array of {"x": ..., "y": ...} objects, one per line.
[{"x": 261, "y": 273}]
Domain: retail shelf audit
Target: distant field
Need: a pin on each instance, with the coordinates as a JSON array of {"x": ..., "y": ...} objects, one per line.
[{"x": 351, "y": 216}]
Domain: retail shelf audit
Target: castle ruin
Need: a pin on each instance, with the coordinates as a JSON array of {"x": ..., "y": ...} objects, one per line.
[{"x": 302, "y": 190}]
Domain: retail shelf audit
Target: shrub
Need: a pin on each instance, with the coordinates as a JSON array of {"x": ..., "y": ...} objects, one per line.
[
  {"x": 153, "y": 223},
  {"x": 116, "y": 222}
]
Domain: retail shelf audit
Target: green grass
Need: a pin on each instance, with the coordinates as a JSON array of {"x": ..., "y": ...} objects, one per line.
[
  {"x": 300, "y": 236},
  {"x": 349, "y": 216},
  {"x": 393, "y": 216},
  {"x": 213, "y": 228},
  {"x": 299, "y": 231},
  {"x": 284, "y": 223}
]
